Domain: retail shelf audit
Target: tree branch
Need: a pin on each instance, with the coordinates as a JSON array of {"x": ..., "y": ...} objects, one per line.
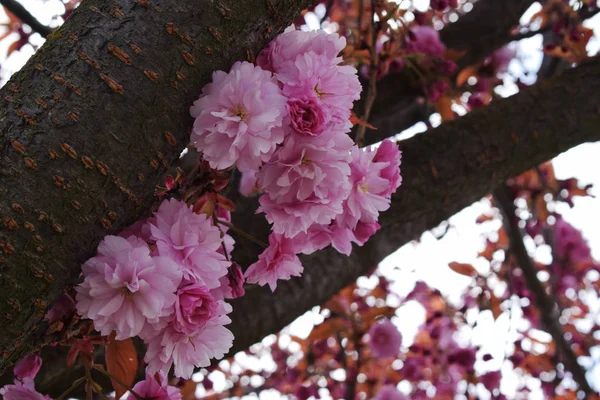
[
  {"x": 549, "y": 314},
  {"x": 444, "y": 170},
  {"x": 25, "y": 16},
  {"x": 91, "y": 124},
  {"x": 400, "y": 100}
]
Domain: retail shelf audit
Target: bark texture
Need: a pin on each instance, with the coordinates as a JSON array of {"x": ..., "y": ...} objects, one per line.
[{"x": 89, "y": 126}]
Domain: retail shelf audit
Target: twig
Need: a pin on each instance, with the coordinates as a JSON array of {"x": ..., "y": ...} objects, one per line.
[
  {"x": 547, "y": 308},
  {"x": 372, "y": 90},
  {"x": 25, "y": 16},
  {"x": 327, "y": 11},
  {"x": 120, "y": 382},
  {"x": 242, "y": 233},
  {"x": 70, "y": 389}
]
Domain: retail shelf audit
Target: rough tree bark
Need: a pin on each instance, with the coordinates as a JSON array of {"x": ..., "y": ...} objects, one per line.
[{"x": 91, "y": 123}]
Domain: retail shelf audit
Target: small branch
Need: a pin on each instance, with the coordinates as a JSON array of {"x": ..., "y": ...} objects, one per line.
[
  {"x": 100, "y": 369},
  {"x": 242, "y": 233},
  {"x": 547, "y": 308},
  {"x": 327, "y": 12},
  {"x": 372, "y": 90},
  {"x": 73, "y": 387},
  {"x": 25, "y": 16}
]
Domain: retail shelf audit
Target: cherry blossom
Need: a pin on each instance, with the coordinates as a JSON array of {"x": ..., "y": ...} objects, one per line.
[
  {"x": 125, "y": 288},
  {"x": 239, "y": 118},
  {"x": 278, "y": 261}
]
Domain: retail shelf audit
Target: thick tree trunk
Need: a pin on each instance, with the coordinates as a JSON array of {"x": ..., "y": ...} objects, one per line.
[{"x": 89, "y": 126}]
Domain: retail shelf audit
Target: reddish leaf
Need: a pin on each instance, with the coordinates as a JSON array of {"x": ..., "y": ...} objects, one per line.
[
  {"x": 122, "y": 363},
  {"x": 444, "y": 107},
  {"x": 463, "y": 269},
  {"x": 357, "y": 121},
  {"x": 83, "y": 347}
]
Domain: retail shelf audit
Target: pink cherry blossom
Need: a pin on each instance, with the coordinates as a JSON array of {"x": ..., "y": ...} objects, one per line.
[
  {"x": 24, "y": 390},
  {"x": 194, "y": 307},
  {"x": 289, "y": 44},
  {"x": 425, "y": 40},
  {"x": 239, "y": 118},
  {"x": 370, "y": 189},
  {"x": 569, "y": 243},
  {"x": 491, "y": 380},
  {"x": 334, "y": 87},
  {"x": 191, "y": 240},
  {"x": 501, "y": 59},
  {"x": 307, "y": 116},
  {"x": 126, "y": 288},
  {"x": 385, "y": 339},
  {"x": 248, "y": 185},
  {"x": 235, "y": 282},
  {"x": 64, "y": 306},
  {"x": 340, "y": 237},
  {"x": 305, "y": 183},
  {"x": 388, "y": 152},
  {"x": 28, "y": 367},
  {"x": 389, "y": 392},
  {"x": 154, "y": 389},
  {"x": 278, "y": 261},
  {"x": 186, "y": 351}
]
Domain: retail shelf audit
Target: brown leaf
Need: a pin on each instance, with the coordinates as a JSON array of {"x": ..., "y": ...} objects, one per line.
[
  {"x": 463, "y": 269},
  {"x": 122, "y": 363},
  {"x": 357, "y": 121},
  {"x": 495, "y": 306},
  {"x": 464, "y": 75},
  {"x": 444, "y": 108}
]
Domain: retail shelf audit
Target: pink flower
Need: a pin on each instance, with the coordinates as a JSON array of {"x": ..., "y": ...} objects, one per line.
[
  {"x": 436, "y": 90},
  {"x": 307, "y": 116},
  {"x": 341, "y": 238},
  {"x": 22, "y": 391},
  {"x": 389, "y": 392},
  {"x": 278, "y": 261},
  {"x": 239, "y": 118},
  {"x": 187, "y": 351},
  {"x": 305, "y": 183},
  {"x": 191, "y": 240},
  {"x": 155, "y": 389},
  {"x": 235, "y": 282},
  {"x": 332, "y": 86},
  {"x": 64, "y": 306},
  {"x": 28, "y": 367},
  {"x": 491, "y": 380},
  {"x": 194, "y": 307},
  {"x": 569, "y": 244},
  {"x": 385, "y": 339},
  {"x": 370, "y": 189},
  {"x": 425, "y": 40},
  {"x": 388, "y": 152},
  {"x": 501, "y": 58},
  {"x": 125, "y": 287},
  {"x": 290, "y": 43},
  {"x": 248, "y": 185}
]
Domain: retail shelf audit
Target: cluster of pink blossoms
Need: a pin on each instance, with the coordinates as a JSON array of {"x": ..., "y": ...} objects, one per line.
[
  {"x": 286, "y": 122},
  {"x": 23, "y": 387},
  {"x": 165, "y": 280}
]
